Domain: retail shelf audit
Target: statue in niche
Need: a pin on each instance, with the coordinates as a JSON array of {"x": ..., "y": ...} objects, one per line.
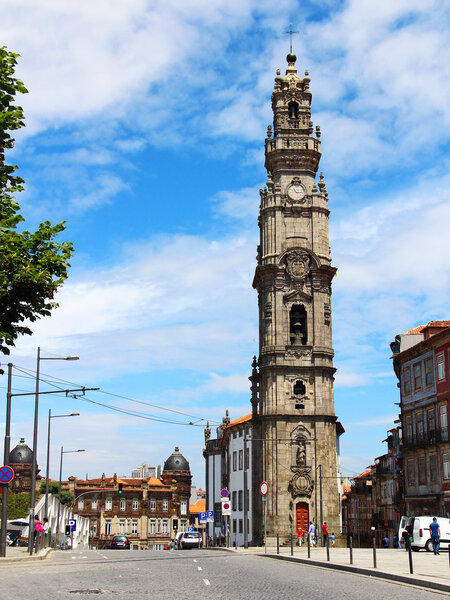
[{"x": 301, "y": 455}]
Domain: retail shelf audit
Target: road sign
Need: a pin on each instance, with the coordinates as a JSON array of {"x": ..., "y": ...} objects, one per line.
[
  {"x": 224, "y": 493},
  {"x": 226, "y": 508},
  {"x": 73, "y": 524},
  {"x": 6, "y": 474},
  {"x": 203, "y": 517},
  {"x": 209, "y": 516},
  {"x": 191, "y": 529},
  {"x": 264, "y": 488}
]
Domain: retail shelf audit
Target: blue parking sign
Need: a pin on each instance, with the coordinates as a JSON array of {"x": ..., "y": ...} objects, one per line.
[
  {"x": 191, "y": 529},
  {"x": 203, "y": 517}
]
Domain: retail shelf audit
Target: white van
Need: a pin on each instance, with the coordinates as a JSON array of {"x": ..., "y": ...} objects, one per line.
[{"x": 420, "y": 528}]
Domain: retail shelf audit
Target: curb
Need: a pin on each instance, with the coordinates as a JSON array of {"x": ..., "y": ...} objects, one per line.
[
  {"x": 27, "y": 558},
  {"x": 441, "y": 587}
]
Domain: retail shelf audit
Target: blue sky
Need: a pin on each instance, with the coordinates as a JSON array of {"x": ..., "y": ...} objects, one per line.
[{"x": 145, "y": 130}]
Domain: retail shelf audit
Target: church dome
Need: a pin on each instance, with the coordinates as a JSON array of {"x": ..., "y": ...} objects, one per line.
[
  {"x": 176, "y": 462},
  {"x": 21, "y": 454}
]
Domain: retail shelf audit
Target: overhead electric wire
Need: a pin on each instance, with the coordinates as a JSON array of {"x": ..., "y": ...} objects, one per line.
[{"x": 53, "y": 382}]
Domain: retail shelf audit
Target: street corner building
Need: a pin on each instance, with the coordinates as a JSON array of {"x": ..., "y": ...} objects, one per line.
[
  {"x": 149, "y": 511},
  {"x": 294, "y": 444},
  {"x": 421, "y": 361}
]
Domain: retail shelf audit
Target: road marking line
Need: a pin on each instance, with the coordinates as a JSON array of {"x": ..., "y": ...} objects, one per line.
[
  {"x": 195, "y": 560},
  {"x": 199, "y": 568},
  {"x": 74, "y": 558},
  {"x": 206, "y": 582}
]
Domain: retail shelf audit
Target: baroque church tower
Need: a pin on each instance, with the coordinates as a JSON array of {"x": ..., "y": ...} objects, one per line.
[{"x": 295, "y": 427}]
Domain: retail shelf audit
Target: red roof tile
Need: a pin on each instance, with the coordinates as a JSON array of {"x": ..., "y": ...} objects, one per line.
[{"x": 198, "y": 507}]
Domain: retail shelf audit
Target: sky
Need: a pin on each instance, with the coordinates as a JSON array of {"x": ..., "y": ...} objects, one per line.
[{"x": 145, "y": 127}]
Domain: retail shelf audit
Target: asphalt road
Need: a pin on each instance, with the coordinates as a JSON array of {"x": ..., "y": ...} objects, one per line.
[{"x": 188, "y": 574}]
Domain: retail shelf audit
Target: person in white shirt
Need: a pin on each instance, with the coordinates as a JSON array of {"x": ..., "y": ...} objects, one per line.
[{"x": 312, "y": 533}]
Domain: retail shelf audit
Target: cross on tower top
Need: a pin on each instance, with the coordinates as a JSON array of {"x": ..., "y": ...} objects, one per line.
[{"x": 290, "y": 32}]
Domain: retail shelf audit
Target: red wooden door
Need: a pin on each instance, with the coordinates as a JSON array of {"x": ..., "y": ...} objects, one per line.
[{"x": 302, "y": 516}]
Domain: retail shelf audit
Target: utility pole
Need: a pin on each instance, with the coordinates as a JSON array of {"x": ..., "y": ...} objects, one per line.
[{"x": 6, "y": 462}]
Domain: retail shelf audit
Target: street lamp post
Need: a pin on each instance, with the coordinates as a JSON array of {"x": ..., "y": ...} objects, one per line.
[
  {"x": 59, "y": 486},
  {"x": 50, "y": 416},
  {"x": 35, "y": 434}
]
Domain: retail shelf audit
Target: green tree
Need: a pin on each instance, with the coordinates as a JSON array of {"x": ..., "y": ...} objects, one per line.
[
  {"x": 32, "y": 264},
  {"x": 66, "y": 497}
]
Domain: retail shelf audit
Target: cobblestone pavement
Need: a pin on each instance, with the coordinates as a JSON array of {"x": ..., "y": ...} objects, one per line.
[{"x": 189, "y": 574}]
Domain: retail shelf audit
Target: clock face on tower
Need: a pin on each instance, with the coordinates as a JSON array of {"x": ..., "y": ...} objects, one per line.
[{"x": 296, "y": 192}]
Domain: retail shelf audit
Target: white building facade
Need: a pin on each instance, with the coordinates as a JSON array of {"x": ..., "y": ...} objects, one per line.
[{"x": 228, "y": 467}]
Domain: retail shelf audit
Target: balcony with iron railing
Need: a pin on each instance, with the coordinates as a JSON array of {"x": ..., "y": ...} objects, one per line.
[{"x": 426, "y": 438}]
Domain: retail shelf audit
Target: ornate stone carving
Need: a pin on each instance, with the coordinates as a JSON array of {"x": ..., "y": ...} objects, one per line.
[
  {"x": 327, "y": 313},
  {"x": 298, "y": 353},
  {"x": 297, "y": 264},
  {"x": 321, "y": 285},
  {"x": 300, "y": 457},
  {"x": 301, "y": 484}
]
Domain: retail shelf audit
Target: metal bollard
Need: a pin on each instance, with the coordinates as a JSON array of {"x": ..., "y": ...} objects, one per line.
[
  {"x": 328, "y": 548},
  {"x": 292, "y": 543},
  {"x": 410, "y": 557},
  {"x": 309, "y": 545},
  {"x": 278, "y": 543},
  {"x": 350, "y": 545},
  {"x": 374, "y": 553}
]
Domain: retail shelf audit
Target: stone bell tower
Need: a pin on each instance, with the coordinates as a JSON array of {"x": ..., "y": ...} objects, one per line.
[{"x": 296, "y": 430}]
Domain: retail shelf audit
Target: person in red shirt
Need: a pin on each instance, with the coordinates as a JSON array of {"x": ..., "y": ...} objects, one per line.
[
  {"x": 324, "y": 533},
  {"x": 301, "y": 531}
]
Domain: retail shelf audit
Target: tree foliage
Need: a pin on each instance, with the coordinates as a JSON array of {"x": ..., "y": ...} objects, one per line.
[
  {"x": 32, "y": 264},
  {"x": 53, "y": 486},
  {"x": 18, "y": 506}
]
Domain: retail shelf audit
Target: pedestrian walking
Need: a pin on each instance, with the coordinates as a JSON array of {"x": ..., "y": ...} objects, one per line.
[
  {"x": 405, "y": 538},
  {"x": 300, "y": 533},
  {"x": 386, "y": 542},
  {"x": 435, "y": 531},
  {"x": 324, "y": 534},
  {"x": 396, "y": 542},
  {"x": 312, "y": 533},
  {"x": 333, "y": 540},
  {"x": 38, "y": 530}
]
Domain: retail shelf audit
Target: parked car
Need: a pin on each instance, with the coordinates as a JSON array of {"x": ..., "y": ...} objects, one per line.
[
  {"x": 178, "y": 537},
  {"x": 120, "y": 542},
  {"x": 190, "y": 540},
  {"x": 419, "y": 528}
]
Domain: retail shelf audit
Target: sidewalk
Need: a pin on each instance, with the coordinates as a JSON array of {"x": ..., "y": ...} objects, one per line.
[
  {"x": 429, "y": 570},
  {"x": 20, "y": 553}
]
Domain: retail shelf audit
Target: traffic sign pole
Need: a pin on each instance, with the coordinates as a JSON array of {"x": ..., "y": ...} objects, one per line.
[{"x": 4, "y": 488}]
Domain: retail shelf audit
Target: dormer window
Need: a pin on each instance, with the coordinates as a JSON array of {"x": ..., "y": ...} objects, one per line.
[{"x": 293, "y": 110}]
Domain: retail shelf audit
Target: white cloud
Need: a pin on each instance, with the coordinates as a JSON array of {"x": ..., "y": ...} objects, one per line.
[
  {"x": 157, "y": 313},
  {"x": 387, "y": 420},
  {"x": 241, "y": 205}
]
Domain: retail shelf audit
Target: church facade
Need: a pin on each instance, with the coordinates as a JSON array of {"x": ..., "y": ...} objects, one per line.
[{"x": 295, "y": 429}]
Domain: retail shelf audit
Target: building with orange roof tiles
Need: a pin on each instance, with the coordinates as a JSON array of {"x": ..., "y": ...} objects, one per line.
[{"x": 150, "y": 511}]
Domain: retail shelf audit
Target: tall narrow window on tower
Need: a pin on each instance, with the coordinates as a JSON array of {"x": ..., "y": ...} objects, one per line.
[
  {"x": 298, "y": 325},
  {"x": 293, "y": 110}
]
